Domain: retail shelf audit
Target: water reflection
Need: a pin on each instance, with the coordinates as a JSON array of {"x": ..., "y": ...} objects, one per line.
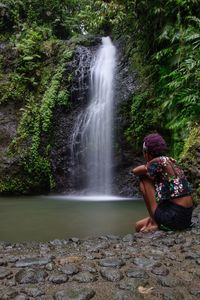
[
  {"x": 46, "y": 218},
  {"x": 92, "y": 197}
]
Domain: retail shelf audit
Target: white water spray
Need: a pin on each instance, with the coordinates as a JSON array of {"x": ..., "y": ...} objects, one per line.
[{"x": 95, "y": 125}]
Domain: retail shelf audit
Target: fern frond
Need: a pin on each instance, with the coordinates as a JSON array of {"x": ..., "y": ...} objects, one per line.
[{"x": 195, "y": 19}]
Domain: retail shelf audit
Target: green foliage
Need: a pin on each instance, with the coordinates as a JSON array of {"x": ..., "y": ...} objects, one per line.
[
  {"x": 51, "y": 95},
  {"x": 10, "y": 185},
  {"x": 34, "y": 82},
  {"x": 164, "y": 39},
  {"x": 190, "y": 160},
  {"x": 49, "y": 99},
  {"x": 36, "y": 121},
  {"x": 192, "y": 140},
  {"x": 29, "y": 44},
  {"x": 63, "y": 99},
  {"x": 31, "y": 180},
  {"x": 58, "y": 14},
  {"x": 100, "y": 17},
  {"x": 180, "y": 85},
  {"x": 145, "y": 117},
  {"x": 34, "y": 164},
  {"x": 30, "y": 50}
]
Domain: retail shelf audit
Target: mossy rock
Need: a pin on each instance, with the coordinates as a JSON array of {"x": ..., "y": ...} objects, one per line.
[
  {"x": 84, "y": 40},
  {"x": 190, "y": 159}
]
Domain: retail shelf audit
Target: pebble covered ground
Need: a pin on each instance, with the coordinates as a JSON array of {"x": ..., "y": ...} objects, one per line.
[{"x": 159, "y": 265}]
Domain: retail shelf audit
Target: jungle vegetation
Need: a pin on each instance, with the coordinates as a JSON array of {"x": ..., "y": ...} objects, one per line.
[{"x": 161, "y": 41}]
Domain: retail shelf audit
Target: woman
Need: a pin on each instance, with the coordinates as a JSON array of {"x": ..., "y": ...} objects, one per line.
[{"x": 165, "y": 189}]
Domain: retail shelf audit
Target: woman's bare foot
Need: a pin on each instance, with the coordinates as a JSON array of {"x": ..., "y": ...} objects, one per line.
[
  {"x": 150, "y": 226},
  {"x": 142, "y": 223}
]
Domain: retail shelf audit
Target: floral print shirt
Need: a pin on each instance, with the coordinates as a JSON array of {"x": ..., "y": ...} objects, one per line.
[{"x": 168, "y": 184}]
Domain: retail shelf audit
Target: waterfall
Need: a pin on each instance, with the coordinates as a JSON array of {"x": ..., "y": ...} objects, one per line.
[{"x": 93, "y": 132}]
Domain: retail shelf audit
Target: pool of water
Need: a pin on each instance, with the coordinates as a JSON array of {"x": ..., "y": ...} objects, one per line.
[{"x": 59, "y": 217}]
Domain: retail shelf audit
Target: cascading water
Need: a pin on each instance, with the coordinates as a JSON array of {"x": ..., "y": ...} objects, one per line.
[{"x": 93, "y": 132}]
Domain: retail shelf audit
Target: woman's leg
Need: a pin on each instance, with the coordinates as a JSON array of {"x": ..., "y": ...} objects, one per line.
[{"x": 148, "y": 191}]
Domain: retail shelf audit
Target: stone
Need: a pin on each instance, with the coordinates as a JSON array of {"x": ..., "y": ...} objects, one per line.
[
  {"x": 131, "y": 250},
  {"x": 70, "y": 269},
  {"x": 68, "y": 259},
  {"x": 168, "y": 281},
  {"x": 89, "y": 267},
  {"x": 128, "y": 238},
  {"x": 111, "y": 274},
  {"x": 12, "y": 259},
  {"x": 58, "y": 278},
  {"x": 29, "y": 262},
  {"x": 160, "y": 271},
  {"x": 33, "y": 291},
  {"x": 170, "y": 295},
  {"x": 49, "y": 267},
  {"x": 195, "y": 231},
  {"x": 180, "y": 240},
  {"x": 56, "y": 242},
  {"x": 136, "y": 273},
  {"x": 108, "y": 253},
  {"x": 74, "y": 239},
  {"x": 4, "y": 272},
  {"x": 132, "y": 284},
  {"x": 112, "y": 262},
  {"x": 74, "y": 294},
  {"x": 3, "y": 262},
  {"x": 185, "y": 276},
  {"x": 7, "y": 293},
  {"x": 45, "y": 297},
  {"x": 168, "y": 242},
  {"x": 126, "y": 256},
  {"x": 198, "y": 261},
  {"x": 144, "y": 262},
  {"x": 123, "y": 295},
  {"x": 21, "y": 297},
  {"x": 30, "y": 276},
  {"x": 92, "y": 256},
  {"x": 195, "y": 291},
  {"x": 113, "y": 237},
  {"x": 84, "y": 277},
  {"x": 97, "y": 247},
  {"x": 192, "y": 255},
  {"x": 195, "y": 271},
  {"x": 10, "y": 282}
]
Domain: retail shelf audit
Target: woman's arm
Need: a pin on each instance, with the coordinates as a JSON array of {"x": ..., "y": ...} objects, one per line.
[{"x": 140, "y": 170}]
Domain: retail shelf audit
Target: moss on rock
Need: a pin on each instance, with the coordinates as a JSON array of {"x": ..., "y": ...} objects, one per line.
[{"x": 190, "y": 158}]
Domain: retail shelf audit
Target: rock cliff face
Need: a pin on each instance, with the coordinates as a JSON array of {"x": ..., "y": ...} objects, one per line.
[
  {"x": 190, "y": 161},
  {"x": 68, "y": 177},
  {"x": 9, "y": 119},
  {"x": 125, "y": 157},
  {"x": 64, "y": 122}
]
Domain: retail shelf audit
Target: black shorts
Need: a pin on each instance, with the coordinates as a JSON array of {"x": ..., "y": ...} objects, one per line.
[{"x": 173, "y": 216}]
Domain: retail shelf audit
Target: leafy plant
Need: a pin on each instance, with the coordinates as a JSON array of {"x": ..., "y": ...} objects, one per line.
[{"x": 170, "y": 56}]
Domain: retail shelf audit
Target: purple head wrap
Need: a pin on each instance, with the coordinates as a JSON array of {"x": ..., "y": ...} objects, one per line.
[{"x": 155, "y": 144}]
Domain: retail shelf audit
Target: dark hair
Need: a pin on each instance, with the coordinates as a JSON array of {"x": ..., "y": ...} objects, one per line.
[{"x": 154, "y": 144}]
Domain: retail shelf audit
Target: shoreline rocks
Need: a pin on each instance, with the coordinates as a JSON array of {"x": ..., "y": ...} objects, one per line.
[{"x": 158, "y": 265}]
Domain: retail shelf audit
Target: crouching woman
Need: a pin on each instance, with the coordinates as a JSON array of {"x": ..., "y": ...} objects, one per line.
[{"x": 165, "y": 189}]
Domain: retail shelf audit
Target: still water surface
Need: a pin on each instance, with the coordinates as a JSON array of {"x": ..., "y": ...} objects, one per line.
[{"x": 47, "y": 218}]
